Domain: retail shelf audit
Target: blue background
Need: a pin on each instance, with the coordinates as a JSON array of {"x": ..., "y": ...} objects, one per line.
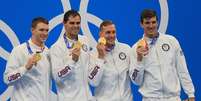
[{"x": 184, "y": 24}]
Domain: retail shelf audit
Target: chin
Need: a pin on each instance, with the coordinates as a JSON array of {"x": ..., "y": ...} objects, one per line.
[
  {"x": 111, "y": 43},
  {"x": 43, "y": 40},
  {"x": 75, "y": 33}
]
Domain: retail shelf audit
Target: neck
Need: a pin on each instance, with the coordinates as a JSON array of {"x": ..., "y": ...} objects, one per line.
[
  {"x": 37, "y": 43},
  {"x": 151, "y": 35},
  {"x": 72, "y": 37}
]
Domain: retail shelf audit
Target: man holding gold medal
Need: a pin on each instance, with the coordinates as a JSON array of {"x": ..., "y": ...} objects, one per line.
[
  {"x": 158, "y": 64},
  {"x": 70, "y": 60},
  {"x": 109, "y": 66},
  {"x": 28, "y": 66}
]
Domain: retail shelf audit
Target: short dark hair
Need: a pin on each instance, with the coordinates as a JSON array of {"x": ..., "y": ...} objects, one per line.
[
  {"x": 147, "y": 14},
  {"x": 105, "y": 23},
  {"x": 70, "y": 13},
  {"x": 37, "y": 20}
]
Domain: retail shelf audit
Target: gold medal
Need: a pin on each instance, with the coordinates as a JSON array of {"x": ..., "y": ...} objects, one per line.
[
  {"x": 102, "y": 40},
  {"x": 142, "y": 43},
  {"x": 78, "y": 44},
  {"x": 37, "y": 56}
]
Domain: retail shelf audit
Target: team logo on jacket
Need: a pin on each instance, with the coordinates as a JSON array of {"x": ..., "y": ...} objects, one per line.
[
  {"x": 165, "y": 47},
  {"x": 84, "y": 48},
  {"x": 122, "y": 56},
  {"x": 55, "y": 21}
]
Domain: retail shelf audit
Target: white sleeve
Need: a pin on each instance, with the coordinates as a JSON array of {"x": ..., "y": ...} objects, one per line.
[
  {"x": 182, "y": 71},
  {"x": 50, "y": 71},
  {"x": 95, "y": 71},
  {"x": 61, "y": 67},
  {"x": 14, "y": 71},
  {"x": 136, "y": 70}
]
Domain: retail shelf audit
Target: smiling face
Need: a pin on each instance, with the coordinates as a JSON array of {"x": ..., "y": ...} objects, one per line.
[
  {"x": 40, "y": 32},
  {"x": 72, "y": 26},
  {"x": 149, "y": 22},
  {"x": 109, "y": 32},
  {"x": 150, "y": 26}
]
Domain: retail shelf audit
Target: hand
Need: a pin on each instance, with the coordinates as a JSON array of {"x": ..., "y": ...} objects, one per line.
[
  {"x": 190, "y": 99},
  {"x": 141, "y": 52},
  {"x": 101, "y": 50},
  {"x": 76, "y": 53},
  {"x": 32, "y": 61}
]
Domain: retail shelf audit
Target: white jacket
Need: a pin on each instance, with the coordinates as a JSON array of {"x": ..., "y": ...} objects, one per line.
[
  {"x": 29, "y": 85},
  {"x": 71, "y": 77},
  {"x": 162, "y": 70},
  {"x": 110, "y": 76}
]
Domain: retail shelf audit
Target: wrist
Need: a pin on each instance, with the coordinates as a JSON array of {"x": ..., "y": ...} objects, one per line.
[
  {"x": 27, "y": 67},
  {"x": 100, "y": 57},
  {"x": 139, "y": 58}
]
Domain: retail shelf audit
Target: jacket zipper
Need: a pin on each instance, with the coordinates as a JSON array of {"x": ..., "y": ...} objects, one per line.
[
  {"x": 160, "y": 66},
  {"x": 117, "y": 75}
]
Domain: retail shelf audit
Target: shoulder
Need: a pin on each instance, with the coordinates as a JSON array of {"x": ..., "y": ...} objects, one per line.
[
  {"x": 18, "y": 50},
  {"x": 20, "y": 47},
  {"x": 123, "y": 45},
  {"x": 168, "y": 37},
  {"x": 83, "y": 39}
]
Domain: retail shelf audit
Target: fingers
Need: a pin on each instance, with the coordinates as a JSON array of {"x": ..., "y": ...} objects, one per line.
[
  {"x": 76, "y": 51},
  {"x": 100, "y": 47},
  {"x": 142, "y": 51},
  {"x": 32, "y": 61},
  {"x": 75, "y": 54},
  {"x": 101, "y": 50}
]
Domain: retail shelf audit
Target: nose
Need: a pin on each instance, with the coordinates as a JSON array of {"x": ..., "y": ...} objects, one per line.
[
  {"x": 151, "y": 25},
  {"x": 77, "y": 25},
  {"x": 111, "y": 36}
]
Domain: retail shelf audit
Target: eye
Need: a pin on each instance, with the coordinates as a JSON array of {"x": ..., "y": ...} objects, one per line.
[
  {"x": 74, "y": 23},
  {"x": 153, "y": 22},
  {"x": 110, "y": 32},
  {"x": 71, "y": 23},
  {"x": 42, "y": 29},
  {"x": 77, "y": 23},
  {"x": 107, "y": 32},
  {"x": 147, "y": 23},
  {"x": 113, "y": 32}
]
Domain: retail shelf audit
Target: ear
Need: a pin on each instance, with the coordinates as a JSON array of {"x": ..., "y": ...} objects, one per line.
[
  {"x": 64, "y": 22},
  {"x": 32, "y": 29},
  {"x": 141, "y": 24}
]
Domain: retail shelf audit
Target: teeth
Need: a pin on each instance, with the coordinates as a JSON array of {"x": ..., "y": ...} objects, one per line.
[{"x": 151, "y": 33}]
